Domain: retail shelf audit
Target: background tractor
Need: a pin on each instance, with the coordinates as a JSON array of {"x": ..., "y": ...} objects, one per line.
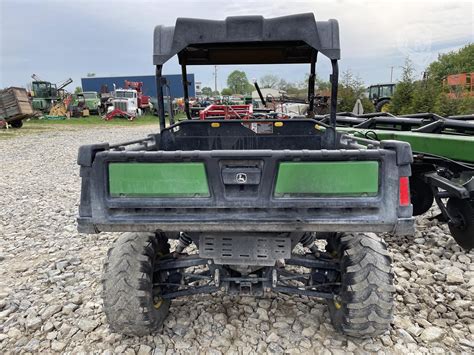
[
  {"x": 380, "y": 95},
  {"x": 45, "y": 94}
]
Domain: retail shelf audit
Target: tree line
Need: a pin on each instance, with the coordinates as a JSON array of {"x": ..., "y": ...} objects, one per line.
[
  {"x": 432, "y": 94},
  {"x": 411, "y": 96},
  {"x": 350, "y": 88}
]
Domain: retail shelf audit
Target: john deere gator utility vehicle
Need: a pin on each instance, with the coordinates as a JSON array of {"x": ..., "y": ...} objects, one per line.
[{"x": 257, "y": 197}]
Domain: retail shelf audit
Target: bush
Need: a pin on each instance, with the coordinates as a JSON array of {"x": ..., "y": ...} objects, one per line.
[
  {"x": 367, "y": 105},
  {"x": 466, "y": 106},
  {"x": 461, "y": 61},
  {"x": 445, "y": 106},
  {"x": 425, "y": 94},
  {"x": 226, "y": 92},
  {"x": 402, "y": 100},
  {"x": 351, "y": 88}
]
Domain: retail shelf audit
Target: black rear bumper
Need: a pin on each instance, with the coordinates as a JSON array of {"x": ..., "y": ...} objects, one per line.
[
  {"x": 261, "y": 213},
  {"x": 403, "y": 226}
]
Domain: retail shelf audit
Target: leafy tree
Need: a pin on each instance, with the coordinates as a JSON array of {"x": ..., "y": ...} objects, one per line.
[
  {"x": 454, "y": 62},
  {"x": 206, "y": 91},
  {"x": 90, "y": 75},
  {"x": 226, "y": 92},
  {"x": 237, "y": 81},
  {"x": 291, "y": 89},
  {"x": 77, "y": 90},
  {"x": 322, "y": 85},
  {"x": 425, "y": 93},
  {"x": 269, "y": 81},
  {"x": 430, "y": 94},
  {"x": 350, "y": 89},
  {"x": 466, "y": 105},
  {"x": 402, "y": 99},
  {"x": 283, "y": 84},
  {"x": 446, "y": 106},
  {"x": 319, "y": 84},
  {"x": 215, "y": 93},
  {"x": 295, "y": 91}
]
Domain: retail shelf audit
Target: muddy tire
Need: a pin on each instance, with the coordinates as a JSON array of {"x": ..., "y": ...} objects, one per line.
[
  {"x": 382, "y": 105},
  {"x": 16, "y": 124},
  {"x": 131, "y": 305},
  {"x": 364, "y": 306}
]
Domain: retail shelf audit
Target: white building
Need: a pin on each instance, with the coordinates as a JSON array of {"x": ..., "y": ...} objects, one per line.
[{"x": 267, "y": 92}]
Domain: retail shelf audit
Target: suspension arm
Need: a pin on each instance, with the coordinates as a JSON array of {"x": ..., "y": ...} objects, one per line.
[{"x": 180, "y": 263}]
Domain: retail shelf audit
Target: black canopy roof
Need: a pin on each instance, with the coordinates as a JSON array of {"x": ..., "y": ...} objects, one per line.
[{"x": 246, "y": 40}]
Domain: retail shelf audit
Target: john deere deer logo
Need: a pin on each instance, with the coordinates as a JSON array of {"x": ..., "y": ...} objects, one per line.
[{"x": 241, "y": 178}]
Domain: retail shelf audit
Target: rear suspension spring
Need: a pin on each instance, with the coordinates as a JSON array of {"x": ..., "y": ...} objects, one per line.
[{"x": 183, "y": 242}]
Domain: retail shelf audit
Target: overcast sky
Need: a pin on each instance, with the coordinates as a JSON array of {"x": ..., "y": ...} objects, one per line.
[{"x": 60, "y": 39}]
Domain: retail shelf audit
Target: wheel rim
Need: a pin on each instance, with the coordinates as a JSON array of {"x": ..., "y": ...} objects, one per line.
[
  {"x": 157, "y": 303},
  {"x": 384, "y": 108}
]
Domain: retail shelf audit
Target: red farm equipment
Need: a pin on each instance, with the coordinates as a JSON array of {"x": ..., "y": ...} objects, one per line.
[
  {"x": 118, "y": 113},
  {"x": 143, "y": 100},
  {"x": 227, "y": 112},
  {"x": 460, "y": 85}
]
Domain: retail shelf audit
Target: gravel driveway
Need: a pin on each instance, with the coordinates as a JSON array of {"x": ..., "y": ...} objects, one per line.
[{"x": 50, "y": 290}]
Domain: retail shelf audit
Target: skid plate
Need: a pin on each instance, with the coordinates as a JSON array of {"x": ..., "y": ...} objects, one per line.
[{"x": 244, "y": 249}]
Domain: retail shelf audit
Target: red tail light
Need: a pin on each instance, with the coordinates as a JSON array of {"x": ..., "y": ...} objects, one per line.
[{"x": 404, "y": 191}]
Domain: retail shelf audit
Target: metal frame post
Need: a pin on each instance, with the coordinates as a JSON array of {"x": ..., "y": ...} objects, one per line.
[
  {"x": 166, "y": 84},
  {"x": 159, "y": 96},
  {"x": 334, "y": 87},
  {"x": 311, "y": 81},
  {"x": 185, "y": 90},
  {"x": 264, "y": 103}
]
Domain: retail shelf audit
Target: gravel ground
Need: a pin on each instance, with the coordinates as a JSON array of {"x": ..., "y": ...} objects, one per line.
[{"x": 50, "y": 290}]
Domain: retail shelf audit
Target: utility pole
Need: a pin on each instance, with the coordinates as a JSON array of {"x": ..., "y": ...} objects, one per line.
[
  {"x": 391, "y": 74},
  {"x": 215, "y": 77}
]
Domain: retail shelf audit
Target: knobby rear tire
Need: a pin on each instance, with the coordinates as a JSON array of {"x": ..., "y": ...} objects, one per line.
[
  {"x": 130, "y": 304},
  {"x": 379, "y": 107},
  {"x": 365, "y": 304}
]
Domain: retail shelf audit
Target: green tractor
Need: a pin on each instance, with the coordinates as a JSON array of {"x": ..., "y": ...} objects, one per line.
[
  {"x": 45, "y": 94},
  {"x": 380, "y": 95}
]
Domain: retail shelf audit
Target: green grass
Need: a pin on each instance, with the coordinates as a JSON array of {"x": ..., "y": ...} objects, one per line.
[
  {"x": 96, "y": 120},
  {"x": 26, "y": 129},
  {"x": 41, "y": 125}
]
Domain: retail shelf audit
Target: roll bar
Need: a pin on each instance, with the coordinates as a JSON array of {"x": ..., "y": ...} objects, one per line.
[{"x": 248, "y": 40}]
